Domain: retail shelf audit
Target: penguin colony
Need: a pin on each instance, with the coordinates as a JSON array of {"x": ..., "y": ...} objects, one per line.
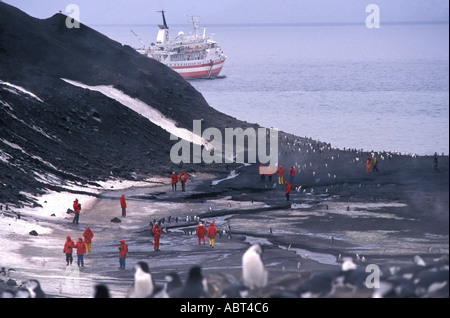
[{"x": 417, "y": 279}]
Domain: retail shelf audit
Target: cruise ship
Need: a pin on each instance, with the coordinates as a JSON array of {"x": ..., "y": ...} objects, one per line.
[{"x": 192, "y": 56}]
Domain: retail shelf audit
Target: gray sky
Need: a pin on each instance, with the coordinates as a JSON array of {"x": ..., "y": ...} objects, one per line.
[{"x": 94, "y": 12}]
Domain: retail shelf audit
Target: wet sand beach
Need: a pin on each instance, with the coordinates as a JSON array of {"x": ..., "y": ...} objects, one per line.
[{"x": 384, "y": 218}]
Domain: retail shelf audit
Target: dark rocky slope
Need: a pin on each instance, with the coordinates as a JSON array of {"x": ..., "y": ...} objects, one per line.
[{"x": 76, "y": 134}]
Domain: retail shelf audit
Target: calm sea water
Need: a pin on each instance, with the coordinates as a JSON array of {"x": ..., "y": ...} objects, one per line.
[{"x": 380, "y": 89}]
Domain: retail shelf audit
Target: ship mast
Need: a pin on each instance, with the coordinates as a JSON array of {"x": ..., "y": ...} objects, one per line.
[
  {"x": 164, "y": 19},
  {"x": 195, "y": 25}
]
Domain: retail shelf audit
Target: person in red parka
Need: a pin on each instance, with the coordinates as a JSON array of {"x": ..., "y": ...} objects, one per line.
[
  {"x": 81, "y": 250},
  {"x": 291, "y": 175},
  {"x": 68, "y": 249},
  {"x": 174, "y": 178},
  {"x": 123, "y": 205},
  {"x": 183, "y": 178},
  {"x": 123, "y": 250},
  {"x": 280, "y": 172},
  {"x": 211, "y": 234},
  {"x": 156, "y": 230},
  {"x": 287, "y": 189},
  {"x": 88, "y": 235},
  {"x": 76, "y": 210},
  {"x": 201, "y": 231}
]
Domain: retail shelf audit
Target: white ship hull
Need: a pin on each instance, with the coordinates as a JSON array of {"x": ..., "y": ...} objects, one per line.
[{"x": 192, "y": 56}]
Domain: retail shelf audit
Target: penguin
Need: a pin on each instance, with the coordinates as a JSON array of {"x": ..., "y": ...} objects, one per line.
[
  {"x": 22, "y": 292},
  {"x": 143, "y": 282},
  {"x": 235, "y": 291},
  {"x": 430, "y": 281},
  {"x": 173, "y": 282},
  {"x": 320, "y": 285},
  {"x": 348, "y": 264},
  {"x": 172, "y": 287},
  {"x": 419, "y": 260},
  {"x": 8, "y": 293},
  {"x": 195, "y": 286},
  {"x": 34, "y": 288},
  {"x": 101, "y": 291},
  {"x": 254, "y": 272}
]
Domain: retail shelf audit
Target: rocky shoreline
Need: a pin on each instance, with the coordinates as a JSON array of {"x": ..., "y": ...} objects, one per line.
[{"x": 372, "y": 220}]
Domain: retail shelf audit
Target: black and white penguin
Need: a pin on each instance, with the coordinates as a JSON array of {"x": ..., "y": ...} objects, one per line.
[
  {"x": 34, "y": 288},
  {"x": 143, "y": 282},
  {"x": 101, "y": 291},
  {"x": 235, "y": 291},
  {"x": 320, "y": 285},
  {"x": 172, "y": 288},
  {"x": 195, "y": 286}
]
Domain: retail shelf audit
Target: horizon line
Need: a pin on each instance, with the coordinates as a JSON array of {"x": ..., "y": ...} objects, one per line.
[{"x": 280, "y": 24}]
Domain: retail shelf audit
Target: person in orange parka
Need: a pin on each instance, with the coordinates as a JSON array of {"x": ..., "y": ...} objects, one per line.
[
  {"x": 201, "y": 231},
  {"x": 81, "y": 250},
  {"x": 287, "y": 189},
  {"x": 211, "y": 234},
  {"x": 156, "y": 230},
  {"x": 76, "y": 210},
  {"x": 280, "y": 172},
  {"x": 368, "y": 164},
  {"x": 68, "y": 249},
  {"x": 88, "y": 235},
  {"x": 123, "y": 205},
  {"x": 174, "y": 178}
]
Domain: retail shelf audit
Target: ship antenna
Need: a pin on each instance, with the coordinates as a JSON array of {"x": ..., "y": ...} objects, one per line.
[{"x": 164, "y": 19}]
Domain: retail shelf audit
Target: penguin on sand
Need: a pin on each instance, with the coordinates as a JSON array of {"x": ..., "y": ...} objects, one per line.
[
  {"x": 34, "y": 288},
  {"x": 254, "y": 272},
  {"x": 195, "y": 286},
  {"x": 101, "y": 291},
  {"x": 320, "y": 285},
  {"x": 143, "y": 282},
  {"x": 172, "y": 287},
  {"x": 173, "y": 282}
]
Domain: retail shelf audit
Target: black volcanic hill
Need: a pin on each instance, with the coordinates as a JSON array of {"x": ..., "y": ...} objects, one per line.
[{"x": 74, "y": 134}]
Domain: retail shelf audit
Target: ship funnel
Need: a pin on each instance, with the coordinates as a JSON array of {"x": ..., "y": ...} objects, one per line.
[{"x": 163, "y": 35}]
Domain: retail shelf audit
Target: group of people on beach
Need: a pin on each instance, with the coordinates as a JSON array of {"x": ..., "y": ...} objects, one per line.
[
  {"x": 210, "y": 234},
  {"x": 371, "y": 164},
  {"x": 280, "y": 173},
  {"x": 82, "y": 247},
  {"x": 182, "y": 177}
]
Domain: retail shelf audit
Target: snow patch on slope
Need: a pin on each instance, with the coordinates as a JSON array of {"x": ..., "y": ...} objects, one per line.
[
  {"x": 145, "y": 110},
  {"x": 20, "y": 89}
]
